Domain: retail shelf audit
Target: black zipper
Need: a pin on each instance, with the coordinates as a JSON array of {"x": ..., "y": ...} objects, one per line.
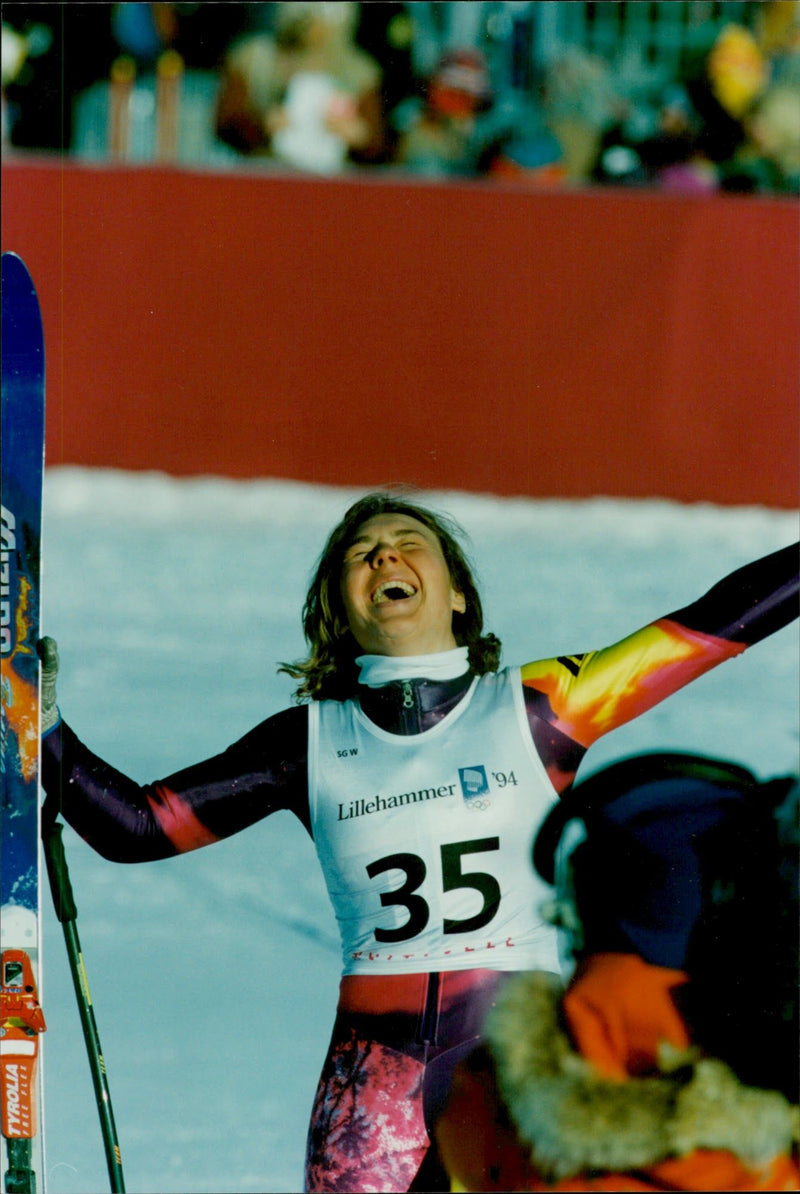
[
  {"x": 429, "y": 1025},
  {"x": 410, "y": 710}
]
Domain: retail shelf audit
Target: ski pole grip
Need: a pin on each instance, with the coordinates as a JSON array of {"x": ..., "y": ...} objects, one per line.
[{"x": 58, "y": 873}]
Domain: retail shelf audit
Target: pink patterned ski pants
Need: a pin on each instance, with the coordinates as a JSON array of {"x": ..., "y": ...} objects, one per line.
[{"x": 395, "y": 1043}]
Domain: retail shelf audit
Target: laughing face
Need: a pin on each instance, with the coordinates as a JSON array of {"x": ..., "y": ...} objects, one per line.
[{"x": 396, "y": 588}]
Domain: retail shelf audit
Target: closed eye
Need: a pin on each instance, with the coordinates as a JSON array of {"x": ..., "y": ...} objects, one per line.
[{"x": 363, "y": 551}]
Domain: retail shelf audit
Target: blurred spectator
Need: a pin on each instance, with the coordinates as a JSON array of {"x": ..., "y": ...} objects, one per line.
[
  {"x": 535, "y": 158},
  {"x": 200, "y": 33},
  {"x": 580, "y": 102},
  {"x": 671, "y": 1061},
  {"x": 154, "y": 99},
  {"x": 581, "y": 94},
  {"x": 734, "y": 76},
  {"x": 668, "y": 151},
  {"x": 769, "y": 159},
  {"x": 442, "y": 134},
  {"x": 69, "y": 48},
  {"x": 57, "y": 50},
  {"x": 307, "y": 95},
  {"x": 15, "y": 52},
  {"x": 732, "y": 123},
  {"x": 385, "y": 32}
]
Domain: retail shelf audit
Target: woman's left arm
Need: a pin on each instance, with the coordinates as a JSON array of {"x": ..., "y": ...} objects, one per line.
[
  {"x": 750, "y": 604},
  {"x": 589, "y": 695}
]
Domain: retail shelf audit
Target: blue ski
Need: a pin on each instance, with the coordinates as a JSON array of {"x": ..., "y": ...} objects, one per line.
[{"x": 21, "y": 1019}]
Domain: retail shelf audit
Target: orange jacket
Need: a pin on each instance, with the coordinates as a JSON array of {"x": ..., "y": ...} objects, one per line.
[{"x": 602, "y": 1091}]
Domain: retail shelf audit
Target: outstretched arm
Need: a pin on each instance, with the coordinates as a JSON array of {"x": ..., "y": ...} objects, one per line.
[
  {"x": 585, "y": 696},
  {"x": 128, "y": 822},
  {"x": 750, "y": 604}
]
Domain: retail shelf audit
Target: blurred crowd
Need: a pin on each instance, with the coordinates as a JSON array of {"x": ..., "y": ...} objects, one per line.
[{"x": 550, "y": 94}]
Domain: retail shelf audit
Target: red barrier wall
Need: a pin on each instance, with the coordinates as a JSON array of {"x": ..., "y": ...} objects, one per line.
[{"x": 473, "y": 336}]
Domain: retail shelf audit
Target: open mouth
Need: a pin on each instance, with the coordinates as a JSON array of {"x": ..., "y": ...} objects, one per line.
[{"x": 392, "y": 590}]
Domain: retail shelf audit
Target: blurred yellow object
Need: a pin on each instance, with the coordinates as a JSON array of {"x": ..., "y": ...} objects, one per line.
[
  {"x": 15, "y": 51},
  {"x": 737, "y": 70},
  {"x": 123, "y": 70},
  {"x": 170, "y": 65}
]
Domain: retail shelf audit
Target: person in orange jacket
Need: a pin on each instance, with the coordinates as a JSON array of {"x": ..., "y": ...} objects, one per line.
[{"x": 670, "y": 1061}]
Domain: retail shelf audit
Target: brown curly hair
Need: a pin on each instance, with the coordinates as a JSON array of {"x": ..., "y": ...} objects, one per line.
[{"x": 330, "y": 671}]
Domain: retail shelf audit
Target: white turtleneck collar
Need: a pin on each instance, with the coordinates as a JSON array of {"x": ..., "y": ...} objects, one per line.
[{"x": 377, "y": 670}]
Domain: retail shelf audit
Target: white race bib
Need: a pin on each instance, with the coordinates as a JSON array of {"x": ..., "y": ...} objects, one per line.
[{"x": 425, "y": 840}]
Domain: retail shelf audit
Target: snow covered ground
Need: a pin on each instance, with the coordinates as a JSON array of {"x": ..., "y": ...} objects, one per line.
[{"x": 214, "y": 975}]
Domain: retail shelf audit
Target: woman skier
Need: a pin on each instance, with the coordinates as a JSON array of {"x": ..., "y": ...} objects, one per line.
[{"x": 422, "y": 770}]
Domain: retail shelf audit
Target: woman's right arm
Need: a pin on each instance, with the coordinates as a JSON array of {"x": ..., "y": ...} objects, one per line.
[{"x": 130, "y": 822}]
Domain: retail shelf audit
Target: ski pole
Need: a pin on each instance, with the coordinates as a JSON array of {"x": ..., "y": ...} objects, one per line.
[{"x": 67, "y": 913}]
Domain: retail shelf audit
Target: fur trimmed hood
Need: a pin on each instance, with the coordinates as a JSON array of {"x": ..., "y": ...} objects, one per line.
[{"x": 573, "y": 1119}]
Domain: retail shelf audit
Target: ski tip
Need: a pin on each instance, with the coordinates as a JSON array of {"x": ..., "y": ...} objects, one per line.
[
  {"x": 20, "y": 306},
  {"x": 15, "y": 271},
  {"x": 16, "y": 284}
]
